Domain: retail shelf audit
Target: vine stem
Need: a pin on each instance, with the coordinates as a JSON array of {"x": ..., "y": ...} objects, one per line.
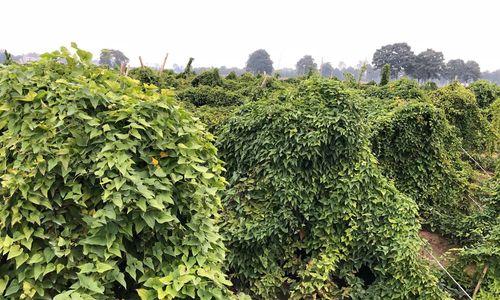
[
  {"x": 449, "y": 275},
  {"x": 474, "y": 201}
]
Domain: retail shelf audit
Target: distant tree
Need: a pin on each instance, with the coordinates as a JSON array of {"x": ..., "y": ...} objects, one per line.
[
  {"x": 287, "y": 73},
  {"x": 305, "y": 65},
  {"x": 428, "y": 64},
  {"x": 259, "y": 62},
  {"x": 386, "y": 74},
  {"x": 351, "y": 70},
  {"x": 472, "y": 71},
  {"x": 492, "y": 76},
  {"x": 455, "y": 70},
  {"x": 112, "y": 58},
  {"x": 339, "y": 73},
  {"x": 224, "y": 71},
  {"x": 372, "y": 74},
  {"x": 399, "y": 56},
  {"x": 361, "y": 72},
  {"x": 327, "y": 70},
  {"x": 177, "y": 68}
]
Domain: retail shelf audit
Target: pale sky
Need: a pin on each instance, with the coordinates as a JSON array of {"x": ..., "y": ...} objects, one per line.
[{"x": 223, "y": 32}]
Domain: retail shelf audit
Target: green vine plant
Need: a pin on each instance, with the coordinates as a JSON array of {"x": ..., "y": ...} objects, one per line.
[
  {"x": 109, "y": 189},
  {"x": 308, "y": 214},
  {"x": 417, "y": 148},
  {"x": 462, "y": 111}
]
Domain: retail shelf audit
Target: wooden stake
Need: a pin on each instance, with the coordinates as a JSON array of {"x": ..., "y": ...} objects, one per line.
[
  {"x": 163, "y": 64},
  {"x": 264, "y": 82},
  {"x": 140, "y": 60},
  {"x": 479, "y": 282},
  {"x": 122, "y": 68}
]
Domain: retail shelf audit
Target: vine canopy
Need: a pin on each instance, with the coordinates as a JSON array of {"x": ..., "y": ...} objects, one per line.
[
  {"x": 108, "y": 188},
  {"x": 308, "y": 213}
]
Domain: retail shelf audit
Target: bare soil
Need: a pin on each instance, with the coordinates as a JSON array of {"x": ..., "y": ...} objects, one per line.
[{"x": 439, "y": 247}]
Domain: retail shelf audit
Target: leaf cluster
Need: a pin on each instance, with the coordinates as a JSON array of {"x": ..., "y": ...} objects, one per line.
[{"x": 108, "y": 188}]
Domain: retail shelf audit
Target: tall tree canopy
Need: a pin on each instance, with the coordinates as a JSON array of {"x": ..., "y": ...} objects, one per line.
[
  {"x": 428, "y": 64},
  {"x": 259, "y": 62},
  {"x": 472, "y": 71},
  {"x": 327, "y": 70},
  {"x": 305, "y": 65},
  {"x": 493, "y": 76},
  {"x": 399, "y": 56},
  {"x": 112, "y": 58},
  {"x": 455, "y": 68}
]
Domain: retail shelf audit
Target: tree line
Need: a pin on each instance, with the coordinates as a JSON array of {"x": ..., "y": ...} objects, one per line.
[{"x": 425, "y": 66}]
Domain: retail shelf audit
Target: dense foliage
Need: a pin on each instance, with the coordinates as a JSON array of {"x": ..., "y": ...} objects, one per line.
[
  {"x": 145, "y": 75},
  {"x": 403, "y": 88},
  {"x": 307, "y": 213},
  {"x": 485, "y": 91},
  {"x": 461, "y": 110},
  {"x": 385, "y": 77},
  {"x": 494, "y": 115},
  {"x": 210, "y": 78},
  {"x": 417, "y": 148},
  {"x": 109, "y": 189},
  {"x": 482, "y": 252},
  {"x": 205, "y": 95}
]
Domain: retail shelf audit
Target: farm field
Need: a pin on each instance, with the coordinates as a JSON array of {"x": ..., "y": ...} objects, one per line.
[{"x": 142, "y": 183}]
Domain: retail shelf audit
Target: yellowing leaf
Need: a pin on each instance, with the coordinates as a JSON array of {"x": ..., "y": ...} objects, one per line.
[{"x": 14, "y": 251}]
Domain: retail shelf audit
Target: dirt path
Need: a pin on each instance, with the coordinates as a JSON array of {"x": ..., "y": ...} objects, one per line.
[{"x": 439, "y": 246}]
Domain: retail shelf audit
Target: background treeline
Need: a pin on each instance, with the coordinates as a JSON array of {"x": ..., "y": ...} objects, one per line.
[{"x": 429, "y": 65}]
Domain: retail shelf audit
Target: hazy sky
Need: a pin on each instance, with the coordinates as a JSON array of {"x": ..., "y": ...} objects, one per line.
[{"x": 223, "y": 32}]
